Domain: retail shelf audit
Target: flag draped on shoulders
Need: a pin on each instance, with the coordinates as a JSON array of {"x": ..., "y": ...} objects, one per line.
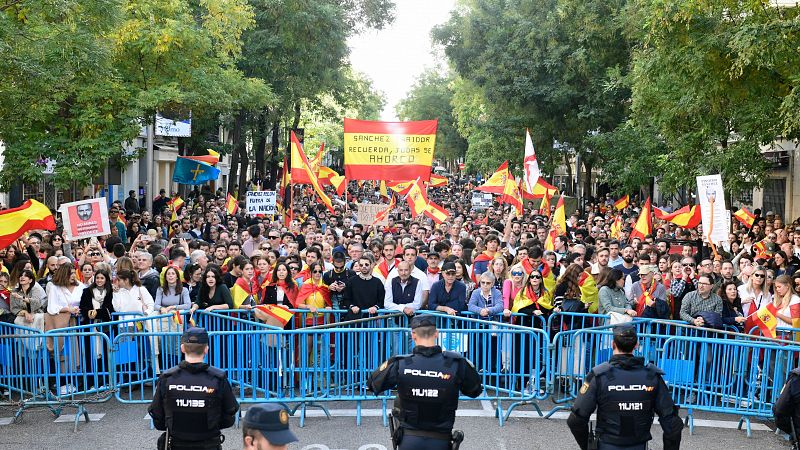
[
  {"x": 589, "y": 292},
  {"x": 242, "y": 290}
]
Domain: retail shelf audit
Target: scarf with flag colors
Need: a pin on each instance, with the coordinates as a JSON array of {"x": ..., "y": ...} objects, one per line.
[
  {"x": 526, "y": 297},
  {"x": 382, "y": 269},
  {"x": 644, "y": 224},
  {"x": 623, "y": 202},
  {"x": 646, "y": 298},
  {"x": 589, "y": 292},
  {"x": 686, "y": 217},
  {"x": 242, "y": 290},
  {"x": 15, "y": 222},
  {"x": 745, "y": 217},
  {"x": 298, "y": 153}
]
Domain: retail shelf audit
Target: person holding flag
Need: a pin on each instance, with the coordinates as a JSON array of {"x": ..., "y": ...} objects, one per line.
[{"x": 786, "y": 302}]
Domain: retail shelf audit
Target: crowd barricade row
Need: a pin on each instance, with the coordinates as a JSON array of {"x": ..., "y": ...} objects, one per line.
[{"x": 321, "y": 357}]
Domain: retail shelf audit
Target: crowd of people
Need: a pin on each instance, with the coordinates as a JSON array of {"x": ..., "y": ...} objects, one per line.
[{"x": 490, "y": 263}]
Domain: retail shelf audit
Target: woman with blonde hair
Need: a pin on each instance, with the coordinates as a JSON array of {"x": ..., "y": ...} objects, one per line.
[
  {"x": 786, "y": 300},
  {"x": 513, "y": 285},
  {"x": 753, "y": 293}
]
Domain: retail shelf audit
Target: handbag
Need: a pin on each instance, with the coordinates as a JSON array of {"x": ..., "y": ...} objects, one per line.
[{"x": 617, "y": 318}]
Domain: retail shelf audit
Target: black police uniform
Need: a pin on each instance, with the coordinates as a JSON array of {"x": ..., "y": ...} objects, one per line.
[
  {"x": 787, "y": 408},
  {"x": 626, "y": 393},
  {"x": 428, "y": 383},
  {"x": 193, "y": 402}
]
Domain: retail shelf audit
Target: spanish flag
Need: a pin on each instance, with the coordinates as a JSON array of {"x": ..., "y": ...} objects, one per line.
[
  {"x": 299, "y": 175},
  {"x": 560, "y": 218},
  {"x": 616, "y": 227},
  {"x": 382, "y": 189},
  {"x": 745, "y": 217},
  {"x": 279, "y": 313},
  {"x": 417, "y": 199},
  {"x": 211, "y": 158},
  {"x": 298, "y": 154},
  {"x": 401, "y": 187},
  {"x": 241, "y": 290},
  {"x": 176, "y": 317},
  {"x": 231, "y": 205},
  {"x": 32, "y": 215},
  {"x": 175, "y": 203},
  {"x": 496, "y": 184},
  {"x": 383, "y": 214},
  {"x": 686, "y": 217},
  {"x": 550, "y": 240},
  {"x": 761, "y": 250},
  {"x": 437, "y": 180},
  {"x": 436, "y": 212},
  {"x": 328, "y": 176},
  {"x": 765, "y": 319},
  {"x": 623, "y": 202},
  {"x": 644, "y": 224},
  {"x": 543, "y": 188},
  {"x": 511, "y": 194},
  {"x": 544, "y": 208},
  {"x": 589, "y": 292}
]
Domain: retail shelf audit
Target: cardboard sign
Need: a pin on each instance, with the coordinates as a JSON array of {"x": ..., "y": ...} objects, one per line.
[
  {"x": 85, "y": 218},
  {"x": 716, "y": 218},
  {"x": 261, "y": 202},
  {"x": 367, "y": 212},
  {"x": 481, "y": 200}
]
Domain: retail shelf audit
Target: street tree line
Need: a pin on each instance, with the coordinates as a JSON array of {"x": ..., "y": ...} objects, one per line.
[
  {"x": 78, "y": 78},
  {"x": 641, "y": 89}
]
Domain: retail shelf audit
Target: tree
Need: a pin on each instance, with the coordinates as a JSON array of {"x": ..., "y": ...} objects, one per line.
[{"x": 431, "y": 97}]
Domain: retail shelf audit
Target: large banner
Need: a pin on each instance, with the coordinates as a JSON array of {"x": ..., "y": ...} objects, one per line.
[
  {"x": 388, "y": 150},
  {"x": 85, "y": 218}
]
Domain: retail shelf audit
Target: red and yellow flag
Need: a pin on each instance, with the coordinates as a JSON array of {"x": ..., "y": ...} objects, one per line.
[
  {"x": 437, "y": 181},
  {"x": 31, "y": 215},
  {"x": 644, "y": 224},
  {"x": 401, "y": 187},
  {"x": 544, "y": 208},
  {"x": 211, "y": 158},
  {"x": 616, "y": 227},
  {"x": 383, "y": 214},
  {"x": 623, "y": 202},
  {"x": 541, "y": 189},
  {"x": 231, "y": 205},
  {"x": 765, "y": 319},
  {"x": 175, "y": 203},
  {"x": 745, "y": 217},
  {"x": 278, "y": 313},
  {"x": 436, "y": 212},
  {"x": 388, "y": 150},
  {"x": 511, "y": 194},
  {"x": 328, "y": 176},
  {"x": 560, "y": 218},
  {"x": 496, "y": 184},
  {"x": 686, "y": 217},
  {"x": 299, "y": 154},
  {"x": 417, "y": 199}
]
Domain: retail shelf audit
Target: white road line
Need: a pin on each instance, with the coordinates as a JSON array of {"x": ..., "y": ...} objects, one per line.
[{"x": 6, "y": 420}]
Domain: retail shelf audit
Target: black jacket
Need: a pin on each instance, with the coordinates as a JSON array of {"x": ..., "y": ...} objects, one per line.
[{"x": 105, "y": 311}]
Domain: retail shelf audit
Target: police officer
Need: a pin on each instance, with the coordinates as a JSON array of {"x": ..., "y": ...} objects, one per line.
[
  {"x": 266, "y": 427},
  {"x": 787, "y": 408},
  {"x": 428, "y": 383},
  {"x": 193, "y": 400},
  {"x": 626, "y": 393}
]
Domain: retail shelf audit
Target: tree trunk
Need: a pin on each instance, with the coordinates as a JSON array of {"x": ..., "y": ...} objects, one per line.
[
  {"x": 296, "y": 122},
  {"x": 274, "y": 156},
  {"x": 569, "y": 174},
  {"x": 587, "y": 180},
  {"x": 244, "y": 159},
  {"x": 260, "y": 149},
  {"x": 237, "y": 137}
]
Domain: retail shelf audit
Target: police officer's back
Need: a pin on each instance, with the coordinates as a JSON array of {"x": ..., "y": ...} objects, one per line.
[
  {"x": 626, "y": 393},
  {"x": 193, "y": 401},
  {"x": 787, "y": 408},
  {"x": 428, "y": 383}
]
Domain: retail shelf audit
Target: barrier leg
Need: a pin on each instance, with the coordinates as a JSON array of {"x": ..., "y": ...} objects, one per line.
[
  {"x": 383, "y": 413},
  {"x": 498, "y": 412},
  {"x": 689, "y": 421},
  {"x": 358, "y": 413},
  {"x": 555, "y": 409},
  {"x": 534, "y": 403},
  {"x": 81, "y": 410},
  {"x": 748, "y": 429}
]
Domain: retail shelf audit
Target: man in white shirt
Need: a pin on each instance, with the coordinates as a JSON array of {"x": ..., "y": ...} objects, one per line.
[
  {"x": 410, "y": 256},
  {"x": 403, "y": 292}
]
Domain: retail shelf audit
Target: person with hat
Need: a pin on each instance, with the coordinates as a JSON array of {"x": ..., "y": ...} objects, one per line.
[
  {"x": 193, "y": 401},
  {"x": 266, "y": 427},
  {"x": 428, "y": 383},
  {"x": 626, "y": 394}
]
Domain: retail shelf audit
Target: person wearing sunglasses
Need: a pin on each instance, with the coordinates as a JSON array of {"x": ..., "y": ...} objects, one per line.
[
  {"x": 512, "y": 286},
  {"x": 314, "y": 295},
  {"x": 533, "y": 300},
  {"x": 363, "y": 292}
]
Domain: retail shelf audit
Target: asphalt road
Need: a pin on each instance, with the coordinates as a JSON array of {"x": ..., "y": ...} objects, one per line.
[{"x": 124, "y": 427}]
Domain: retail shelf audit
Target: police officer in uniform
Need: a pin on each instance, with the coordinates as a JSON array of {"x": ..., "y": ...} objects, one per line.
[
  {"x": 787, "y": 408},
  {"x": 428, "y": 382},
  {"x": 626, "y": 394},
  {"x": 193, "y": 401}
]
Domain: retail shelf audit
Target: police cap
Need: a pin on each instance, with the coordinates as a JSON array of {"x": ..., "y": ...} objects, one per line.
[
  {"x": 423, "y": 321},
  {"x": 272, "y": 421},
  {"x": 195, "y": 335}
]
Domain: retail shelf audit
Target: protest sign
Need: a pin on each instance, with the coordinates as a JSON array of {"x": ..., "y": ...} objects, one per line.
[
  {"x": 481, "y": 200},
  {"x": 711, "y": 197},
  {"x": 367, "y": 211},
  {"x": 261, "y": 202},
  {"x": 85, "y": 218}
]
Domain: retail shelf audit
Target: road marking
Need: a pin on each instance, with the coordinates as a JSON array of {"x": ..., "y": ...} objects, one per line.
[
  {"x": 71, "y": 418},
  {"x": 6, "y": 420}
]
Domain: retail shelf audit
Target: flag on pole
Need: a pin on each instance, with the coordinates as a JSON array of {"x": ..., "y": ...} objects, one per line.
[
  {"x": 437, "y": 180},
  {"x": 686, "y": 217},
  {"x": 401, "y": 187},
  {"x": 529, "y": 163},
  {"x": 31, "y": 215},
  {"x": 416, "y": 198},
  {"x": 189, "y": 171},
  {"x": 299, "y": 154},
  {"x": 644, "y": 224},
  {"x": 436, "y": 212},
  {"x": 623, "y": 202},
  {"x": 496, "y": 184},
  {"x": 616, "y": 227},
  {"x": 544, "y": 208},
  {"x": 511, "y": 194},
  {"x": 231, "y": 205},
  {"x": 745, "y": 217},
  {"x": 560, "y": 218},
  {"x": 175, "y": 203},
  {"x": 382, "y": 189},
  {"x": 383, "y": 214}
]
